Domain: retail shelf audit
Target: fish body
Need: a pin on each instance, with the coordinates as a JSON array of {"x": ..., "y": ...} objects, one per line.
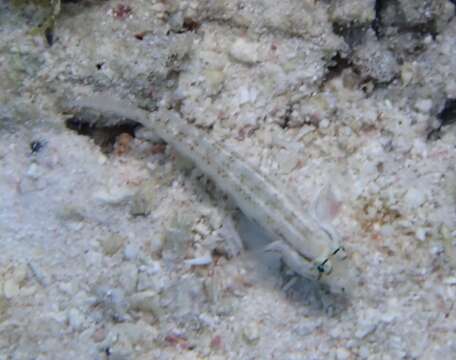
[{"x": 305, "y": 244}]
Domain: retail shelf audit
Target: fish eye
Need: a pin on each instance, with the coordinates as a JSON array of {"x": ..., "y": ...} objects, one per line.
[{"x": 325, "y": 267}]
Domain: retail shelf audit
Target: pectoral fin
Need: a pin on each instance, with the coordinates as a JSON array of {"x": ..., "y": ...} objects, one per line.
[{"x": 293, "y": 259}]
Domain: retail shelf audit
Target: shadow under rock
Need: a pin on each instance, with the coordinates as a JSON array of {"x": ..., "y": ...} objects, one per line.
[{"x": 315, "y": 296}]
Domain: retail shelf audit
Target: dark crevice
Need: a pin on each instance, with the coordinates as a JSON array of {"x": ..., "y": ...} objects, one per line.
[
  {"x": 377, "y": 23},
  {"x": 446, "y": 117},
  {"x": 190, "y": 24},
  {"x": 36, "y": 146},
  {"x": 286, "y": 117},
  {"x": 448, "y": 114},
  {"x": 427, "y": 28},
  {"x": 337, "y": 64},
  {"x": 103, "y": 136},
  {"x": 353, "y": 34},
  {"x": 395, "y": 18}
]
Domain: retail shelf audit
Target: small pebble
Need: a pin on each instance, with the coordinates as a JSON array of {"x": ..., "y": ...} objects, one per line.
[
  {"x": 342, "y": 354},
  {"x": 201, "y": 261},
  {"x": 146, "y": 301},
  {"x": 324, "y": 124},
  {"x": 99, "y": 335},
  {"x": 66, "y": 287},
  {"x": 420, "y": 234},
  {"x": 367, "y": 324},
  {"x": 34, "y": 171},
  {"x": 75, "y": 319},
  {"x": 143, "y": 201},
  {"x": 111, "y": 244},
  {"x": 346, "y": 131},
  {"x": 10, "y": 288},
  {"x": 424, "y": 105},
  {"x": 216, "y": 343},
  {"x": 113, "y": 195},
  {"x": 20, "y": 274},
  {"x": 414, "y": 198},
  {"x": 114, "y": 303},
  {"x": 122, "y": 145},
  {"x": 147, "y": 281},
  {"x": 28, "y": 291},
  {"x": 202, "y": 229},
  {"x": 131, "y": 252},
  {"x": 450, "y": 280},
  {"x": 128, "y": 277},
  {"x": 251, "y": 333},
  {"x": 244, "y": 51},
  {"x": 365, "y": 329},
  {"x": 288, "y": 160}
]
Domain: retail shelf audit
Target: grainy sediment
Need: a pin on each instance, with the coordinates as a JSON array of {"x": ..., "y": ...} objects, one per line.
[{"x": 113, "y": 246}]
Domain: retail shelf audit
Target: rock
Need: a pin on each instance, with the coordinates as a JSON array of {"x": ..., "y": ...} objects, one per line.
[
  {"x": 113, "y": 302},
  {"x": 424, "y": 105},
  {"x": 154, "y": 244},
  {"x": 244, "y": 51},
  {"x": 111, "y": 244},
  {"x": 137, "y": 334},
  {"x": 414, "y": 198},
  {"x": 99, "y": 335},
  {"x": 375, "y": 60},
  {"x": 28, "y": 291},
  {"x": 93, "y": 257},
  {"x": 131, "y": 252},
  {"x": 324, "y": 123},
  {"x": 185, "y": 297},
  {"x": 118, "y": 355},
  {"x": 352, "y": 11},
  {"x": 420, "y": 233},
  {"x": 214, "y": 80},
  {"x": 367, "y": 324},
  {"x": 451, "y": 280},
  {"x": 308, "y": 327},
  {"x": 34, "y": 171},
  {"x": 38, "y": 274},
  {"x": 202, "y": 228},
  {"x": 199, "y": 261},
  {"x": 146, "y": 301},
  {"x": 113, "y": 195},
  {"x": 175, "y": 239},
  {"x": 144, "y": 200},
  {"x": 419, "y": 13},
  {"x": 251, "y": 333},
  {"x": 3, "y": 306},
  {"x": 408, "y": 73},
  {"x": 128, "y": 277},
  {"x": 145, "y": 282},
  {"x": 75, "y": 319},
  {"x": 151, "y": 278},
  {"x": 20, "y": 274},
  {"x": 342, "y": 354},
  {"x": 71, "y": 213},
  {"x": 287, "y": 160},
  {"x": 10, "y": 288},
  {"x": 68, "y": 288}
]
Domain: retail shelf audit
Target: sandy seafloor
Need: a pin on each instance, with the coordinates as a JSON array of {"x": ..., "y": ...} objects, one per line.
[{"x": 112, "y": 246}]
